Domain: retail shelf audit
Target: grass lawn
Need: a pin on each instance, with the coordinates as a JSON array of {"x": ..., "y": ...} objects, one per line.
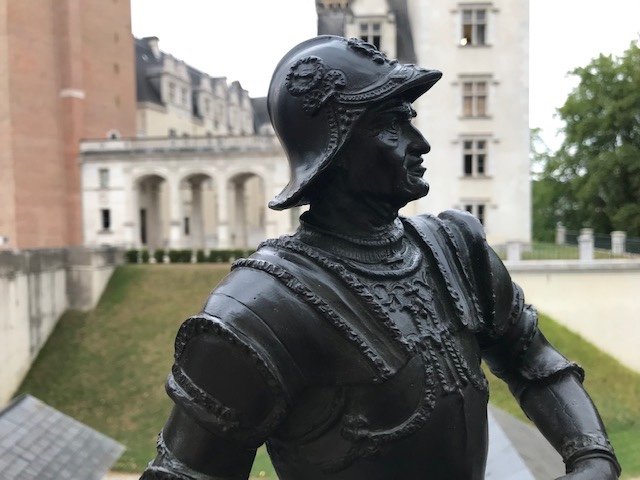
[{"x": 107, "y": 367}]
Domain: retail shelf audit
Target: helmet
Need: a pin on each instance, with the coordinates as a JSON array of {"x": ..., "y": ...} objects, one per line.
[{"x": 318, "y": 92}]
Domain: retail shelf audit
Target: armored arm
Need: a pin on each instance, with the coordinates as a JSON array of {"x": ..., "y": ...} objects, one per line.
[
  {"x": 228, "y": 397},
  {"x": 547, "y": 386}
]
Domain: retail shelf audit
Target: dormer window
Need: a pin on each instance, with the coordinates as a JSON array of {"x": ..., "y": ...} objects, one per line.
[
  {"x": 172, "y": 92},
  {"x": 474, "y": 26},
  {"x": 371, "y": 32}
]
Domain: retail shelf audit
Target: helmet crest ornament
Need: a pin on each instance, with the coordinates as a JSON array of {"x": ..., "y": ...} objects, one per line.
[
  {"x": 369, "y": 50},
  {"x": 311, "y": 79}
]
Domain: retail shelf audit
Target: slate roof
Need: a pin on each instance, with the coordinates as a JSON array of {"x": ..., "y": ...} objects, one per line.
[
  {"x": 260, "y": 113},
  {"x": 332, "y": 22},
  {"x": 37, "y": 442},
  {"x": 147, "y": 90}
]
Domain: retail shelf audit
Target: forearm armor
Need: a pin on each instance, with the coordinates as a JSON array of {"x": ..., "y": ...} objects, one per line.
[{"x": 549, "y": 390}]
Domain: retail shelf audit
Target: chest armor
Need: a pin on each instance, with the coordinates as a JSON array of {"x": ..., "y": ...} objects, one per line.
[{"x": 426, "y": 351}]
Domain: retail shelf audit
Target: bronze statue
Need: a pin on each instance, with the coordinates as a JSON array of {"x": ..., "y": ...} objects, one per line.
[{"x": 353, "y": 347}]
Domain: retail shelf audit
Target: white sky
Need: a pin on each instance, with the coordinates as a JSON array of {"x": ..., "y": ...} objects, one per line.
[{"x": 244, "y": 39}]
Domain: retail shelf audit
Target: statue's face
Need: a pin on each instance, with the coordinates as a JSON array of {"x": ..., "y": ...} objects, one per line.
[{"x": 385, "y": 158}]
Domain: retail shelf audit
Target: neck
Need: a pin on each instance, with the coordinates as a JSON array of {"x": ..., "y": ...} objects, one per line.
[{"x": 351, "y": 214}]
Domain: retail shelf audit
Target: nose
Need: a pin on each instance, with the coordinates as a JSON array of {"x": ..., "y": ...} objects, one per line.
[{"x": 419, "y": 144}]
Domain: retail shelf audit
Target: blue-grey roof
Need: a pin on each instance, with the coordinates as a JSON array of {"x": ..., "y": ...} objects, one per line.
[
  {"x": 147, "y": 86},
  {"x": 37, "y": 442},
  {"x": 146, "y": 91},
  {"x": 260, "y": 112}
]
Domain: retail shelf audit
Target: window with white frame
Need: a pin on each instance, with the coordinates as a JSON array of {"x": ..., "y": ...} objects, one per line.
[
  {"x": 474, "y": 157},
  {"x": 172, "y": 92},
  {"x": 185, "y": 97},
  {"x": 371, "y": 32},
  {"x": 474, "y": 26},
  {"x": 103, "y": 177},
  {"x": 474, "y": 98},
  {"x": 478, "y": 210}
]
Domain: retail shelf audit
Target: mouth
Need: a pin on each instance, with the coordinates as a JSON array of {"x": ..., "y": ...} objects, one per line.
[{"x": 414, "y": 166}]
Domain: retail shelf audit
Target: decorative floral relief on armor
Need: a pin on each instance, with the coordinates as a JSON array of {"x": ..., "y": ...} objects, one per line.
[
  {"x": 415, "y": 297},
  {"x": 573, "y": 448},
  {"x": 369, "y": 50},
  {"x": 312, "y": 80},
  {"x": 443, "y": 364}
]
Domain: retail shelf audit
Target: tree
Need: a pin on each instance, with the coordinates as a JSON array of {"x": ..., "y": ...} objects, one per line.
[
  {"x": 594, "y": 178},
  {"x": 545, "y": 190}
]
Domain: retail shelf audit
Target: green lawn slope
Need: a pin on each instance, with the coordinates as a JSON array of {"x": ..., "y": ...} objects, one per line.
[{"x": 107, "y": 367}]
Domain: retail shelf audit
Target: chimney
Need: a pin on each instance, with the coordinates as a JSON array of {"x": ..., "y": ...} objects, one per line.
[{"x": 152, "y": 42}]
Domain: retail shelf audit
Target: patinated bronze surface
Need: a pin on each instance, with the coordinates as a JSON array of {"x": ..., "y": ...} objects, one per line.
[{"x": 353, "y": 347}]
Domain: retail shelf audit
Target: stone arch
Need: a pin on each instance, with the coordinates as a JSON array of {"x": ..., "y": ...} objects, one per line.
[
  {"x": 151, "y": 202},
  {"x": 200, "y": 222},
  {"x": 247, "y": 208}
]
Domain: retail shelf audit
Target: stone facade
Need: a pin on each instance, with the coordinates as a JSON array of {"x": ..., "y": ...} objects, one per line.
[
  {"x": 476, "y": 117},
  {"x": 66, "y": 73},
  {"x": 204, "y": 192},
  {"x": 200, "y": 172}
]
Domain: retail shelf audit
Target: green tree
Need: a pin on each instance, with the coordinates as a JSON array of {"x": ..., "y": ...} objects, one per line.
[
  {"x": 594, "y": 178},
  {"x": 545, "y": 190}
]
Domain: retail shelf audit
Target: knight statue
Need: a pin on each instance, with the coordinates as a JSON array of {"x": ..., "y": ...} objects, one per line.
[{"x": 353, "y": 347}]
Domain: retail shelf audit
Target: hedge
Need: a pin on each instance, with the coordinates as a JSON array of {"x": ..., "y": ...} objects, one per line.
[{"x": 186, "y": 255}]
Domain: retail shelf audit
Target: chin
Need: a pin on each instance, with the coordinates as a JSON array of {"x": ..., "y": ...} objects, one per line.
[{"x": 411, "y": 191}]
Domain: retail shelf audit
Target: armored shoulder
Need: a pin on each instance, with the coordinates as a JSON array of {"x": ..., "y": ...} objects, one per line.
[
  {"x": 227, "y": 382},
  {"x": 496, "y": 293},
  {"x": 513, "y": 346},
  {"x": 477, "y": 282}
]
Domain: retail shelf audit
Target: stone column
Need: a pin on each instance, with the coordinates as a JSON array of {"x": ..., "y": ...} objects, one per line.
[
  {"x": 514, "y": 251},
  {"x": 585, "y": 244},
  {"x": 197, "y": 220},
  {"x": 240, "y": 220},
  {"x": 222, "y": 203},
  {"x": 561, "y": 234},
  {"x": 618, "y": 242},
  {"x": 175, "y": 213},
  {"x": 131, "y": 219}
]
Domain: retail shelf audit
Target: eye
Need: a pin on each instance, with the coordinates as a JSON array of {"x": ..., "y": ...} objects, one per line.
[{"x": 392, "y": 125}]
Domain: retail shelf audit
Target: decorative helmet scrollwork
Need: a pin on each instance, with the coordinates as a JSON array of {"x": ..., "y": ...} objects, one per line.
[{"x": 318, "y": 92}]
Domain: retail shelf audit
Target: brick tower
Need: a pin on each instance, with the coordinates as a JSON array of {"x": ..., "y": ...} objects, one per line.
[{"x": 66, "y": 73}]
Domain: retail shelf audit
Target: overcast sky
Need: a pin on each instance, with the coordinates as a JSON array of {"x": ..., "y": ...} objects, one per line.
[{"x": 244, "y": 39}]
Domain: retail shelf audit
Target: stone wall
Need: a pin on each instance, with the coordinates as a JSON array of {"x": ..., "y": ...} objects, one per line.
[
  {"x": 598, "y": 300},
  {"x": 36, "y": 287}
]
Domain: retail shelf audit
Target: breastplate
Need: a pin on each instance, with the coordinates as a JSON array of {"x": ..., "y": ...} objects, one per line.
[{"x": 369, "y": 424}]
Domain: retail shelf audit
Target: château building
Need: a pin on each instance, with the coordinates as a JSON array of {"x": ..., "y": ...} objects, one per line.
[
  {"x": 199, "y": 172},
  {"x": 204, "y": 161},
  {"x": 476, "y": 117}
]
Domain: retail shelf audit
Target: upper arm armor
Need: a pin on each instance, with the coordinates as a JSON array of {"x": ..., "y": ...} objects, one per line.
[
  {"x": 225, "y": 381},
  {"x": 512, "y": 344}
]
